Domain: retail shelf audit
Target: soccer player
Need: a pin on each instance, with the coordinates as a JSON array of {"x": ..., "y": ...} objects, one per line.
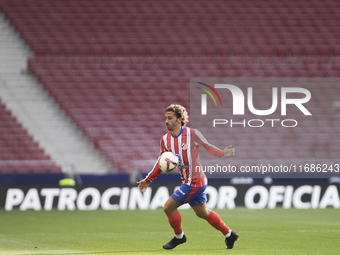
[{"x": 185, "y": 142}]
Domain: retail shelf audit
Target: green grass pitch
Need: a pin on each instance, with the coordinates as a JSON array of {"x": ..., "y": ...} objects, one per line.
[{"x": 267, "y": 231}]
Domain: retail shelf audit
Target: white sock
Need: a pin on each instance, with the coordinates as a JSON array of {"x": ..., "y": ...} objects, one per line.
[
  {"x": 229, "y": 233},
  {"x": 180, "y": 236}
]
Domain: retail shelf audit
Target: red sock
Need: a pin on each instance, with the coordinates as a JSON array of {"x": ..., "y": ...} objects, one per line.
[
  {"x": 215, "y": 221},
  {"x": 175, "y": 221}
]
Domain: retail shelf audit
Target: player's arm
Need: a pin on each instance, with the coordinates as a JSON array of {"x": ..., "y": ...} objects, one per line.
[
  {"x": 153, "y": 174},
  {"x": 200, "y": 140}
]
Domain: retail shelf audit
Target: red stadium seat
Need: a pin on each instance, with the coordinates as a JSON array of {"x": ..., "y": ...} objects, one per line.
[
  {"x": 103, "y": 61},
  {"x": 17, "y": 148}
]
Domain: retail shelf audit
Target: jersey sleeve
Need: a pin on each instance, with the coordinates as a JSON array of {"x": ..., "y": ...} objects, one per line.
[
  {"x": 200, "y": 140},
  {"x": 156, "y": 171}
]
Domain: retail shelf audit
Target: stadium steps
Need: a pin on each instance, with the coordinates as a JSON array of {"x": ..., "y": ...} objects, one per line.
[{"x": 38, "y": 113}]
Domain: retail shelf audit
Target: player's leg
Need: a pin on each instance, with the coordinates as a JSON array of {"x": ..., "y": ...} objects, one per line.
[
  {"x": 170, "y": 206},
  {"x": 201, "y": 210},
  {"x": 174, "y": 217},
  {"x": 214, "y": 220},
  {"x": 175, "y": 220}
]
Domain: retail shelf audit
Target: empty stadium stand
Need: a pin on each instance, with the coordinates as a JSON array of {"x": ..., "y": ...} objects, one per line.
[
  {"x": 193, "y": 28},
  {"x": 113, "y": 66},
  {"x": 19, "y": 153},
  {"x": 119, "y": 104}
]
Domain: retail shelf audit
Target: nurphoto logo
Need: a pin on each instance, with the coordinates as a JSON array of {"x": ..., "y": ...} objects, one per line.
[{"x": 238, "y": 108}]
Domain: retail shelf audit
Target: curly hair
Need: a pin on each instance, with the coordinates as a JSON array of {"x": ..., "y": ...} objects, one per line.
[{"x": 179, "y": 111}]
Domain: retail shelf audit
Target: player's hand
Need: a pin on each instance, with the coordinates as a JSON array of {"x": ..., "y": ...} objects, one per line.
[
  {"x": 229, "y": 151},
  {"x": 142, "y": 185}
]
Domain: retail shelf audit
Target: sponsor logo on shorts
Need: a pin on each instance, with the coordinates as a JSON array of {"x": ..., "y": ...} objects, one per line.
[{"x": 181, "y": 191}]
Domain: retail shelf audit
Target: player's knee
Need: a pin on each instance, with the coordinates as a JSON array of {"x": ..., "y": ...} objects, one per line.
[
  {"x": 203, "y": 214},
  {"x": 167, "y": 209}
]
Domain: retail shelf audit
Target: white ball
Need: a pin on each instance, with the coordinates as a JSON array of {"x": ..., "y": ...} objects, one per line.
[{"x": 168, "y": 162}]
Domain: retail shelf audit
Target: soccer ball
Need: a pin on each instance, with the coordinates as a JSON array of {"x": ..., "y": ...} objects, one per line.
[{"x": 168, "y": 162}]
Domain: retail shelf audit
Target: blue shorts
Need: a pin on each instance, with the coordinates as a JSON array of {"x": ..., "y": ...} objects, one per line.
[{"x": 190, "y": 195}]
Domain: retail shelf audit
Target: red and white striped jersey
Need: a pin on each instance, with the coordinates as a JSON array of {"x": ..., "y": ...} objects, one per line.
[{"x": 186, "y": 147}]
